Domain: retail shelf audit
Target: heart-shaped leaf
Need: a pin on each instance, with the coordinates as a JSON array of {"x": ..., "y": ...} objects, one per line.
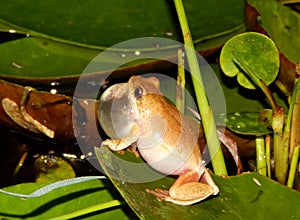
[{"x": 254, "y": 51}]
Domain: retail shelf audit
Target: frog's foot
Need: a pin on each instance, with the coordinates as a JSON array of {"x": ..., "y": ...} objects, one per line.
[
  {"x": 160, "y": 194},
  {"x": 133, "y": 149},
  {"x": 186, "y": 190},
  {"x": 121, "y": 144},
  {"x": 188, "y": 194}
]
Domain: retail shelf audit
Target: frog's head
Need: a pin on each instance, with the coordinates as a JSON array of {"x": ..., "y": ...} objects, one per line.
[
  {"x": 142, "y": 93},
  {"x": 124, "y": 103}
]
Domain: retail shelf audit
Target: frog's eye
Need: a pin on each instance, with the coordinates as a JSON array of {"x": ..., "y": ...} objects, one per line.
[{"x": 138, "y": 92}]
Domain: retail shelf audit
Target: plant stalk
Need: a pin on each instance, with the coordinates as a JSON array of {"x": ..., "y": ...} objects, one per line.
[
  {"x": 293, "y": 167},
  {"x": 208, "y": 122},
  {"x": 293, "y": 118},
  {"x": 280, "y": 148},
  {"x": 268, "y": 154},
  {"x": 260, "y": 155},
  {"x": 180, "y": 91}
]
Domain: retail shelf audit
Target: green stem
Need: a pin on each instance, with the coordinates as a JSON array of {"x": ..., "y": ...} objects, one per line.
[
  {"x": 260, "y": 155},
  {"x": 293, "y": 116},
  {"x": 180, "y": 92},
  {"x": 208, "y": 122},
  {"x": 89, "y": 210},
  {"x": 280, "y": 147},
  {"x": 283, "y": 89},
  {"x": 259, "y": 83},
  {"x": 268, "y": 154},
  {"x": 293, "y": 167}
]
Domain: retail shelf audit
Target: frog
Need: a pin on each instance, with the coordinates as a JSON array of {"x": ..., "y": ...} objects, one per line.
[{"x": 166, "y": 140}]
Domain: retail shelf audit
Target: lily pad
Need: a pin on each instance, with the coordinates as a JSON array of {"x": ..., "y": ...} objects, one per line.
[
  {"x": 249, "y": 123},
  {"x": 64, "y": 40},
  {"x": 256, "y": 51},
  {"x": 247, "y": 196},
  {"x": 101, "y": 24}
]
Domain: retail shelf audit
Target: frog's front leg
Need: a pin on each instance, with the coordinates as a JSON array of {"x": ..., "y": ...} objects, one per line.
[
  {"x": 186, "y": 190},
  {"x": 120, "y": 144}
]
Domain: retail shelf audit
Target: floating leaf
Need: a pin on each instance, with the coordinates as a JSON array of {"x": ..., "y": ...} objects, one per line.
[
  {"x": 247, "y": 123},
  {"x": 239, "y": 196},
  {"x": 62, "y": 42},
  {"x": 254, "y": 50}
]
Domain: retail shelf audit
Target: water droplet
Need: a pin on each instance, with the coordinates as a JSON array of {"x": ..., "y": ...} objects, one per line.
[
  {"x": 240, "y": 124},
  {"x": 53, "y": 91},
  {"x": 237, "y": 114},
  {"x": 137, "y": 52},
  {"x": 123, "y": 55},
  {"x": 54, "y": 84},
  {"x": 169, "y": 33},
  {"x": 12, "y": 31}
]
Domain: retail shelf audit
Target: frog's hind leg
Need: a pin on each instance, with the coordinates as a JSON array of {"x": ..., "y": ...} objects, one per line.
[
  {"x": 207, "y": 179},
  {"x": 186, "y": 190}
]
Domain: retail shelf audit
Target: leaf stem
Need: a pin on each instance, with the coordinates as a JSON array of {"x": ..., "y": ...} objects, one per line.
[{"x": 208, "y": 122}]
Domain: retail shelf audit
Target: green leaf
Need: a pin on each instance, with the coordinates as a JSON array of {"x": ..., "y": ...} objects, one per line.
[
  {"x": 65, "y": 39},
  {"x": 37, "y": 57},
  {"x": 247, "y": 196},
  {"x": 58, "y": 202},
  {"x": 49, "y": 168},
  {"x": 254, "y": 51},
  {"x": 102, "y": 24},
  {"x": 247, "y": 123},
  {"x": 282, "y": 25}
]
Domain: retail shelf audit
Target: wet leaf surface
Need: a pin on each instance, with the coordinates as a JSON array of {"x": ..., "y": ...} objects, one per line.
[
  {"x": 59, "y": 201},
  {"x": 247, "y": 196},
  {"x": 64, "y": 41},
  {"x": 247, "y": 123}
]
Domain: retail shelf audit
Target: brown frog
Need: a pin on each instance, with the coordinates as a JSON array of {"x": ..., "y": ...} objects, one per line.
[{"x": 165, "y": 139}]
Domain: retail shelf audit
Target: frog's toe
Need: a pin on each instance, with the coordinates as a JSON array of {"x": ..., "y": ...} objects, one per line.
[{"x": 160, "y": 194}]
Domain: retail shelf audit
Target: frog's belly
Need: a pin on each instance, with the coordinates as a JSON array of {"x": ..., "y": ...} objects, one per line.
[{"x": 170, "y": 161}]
